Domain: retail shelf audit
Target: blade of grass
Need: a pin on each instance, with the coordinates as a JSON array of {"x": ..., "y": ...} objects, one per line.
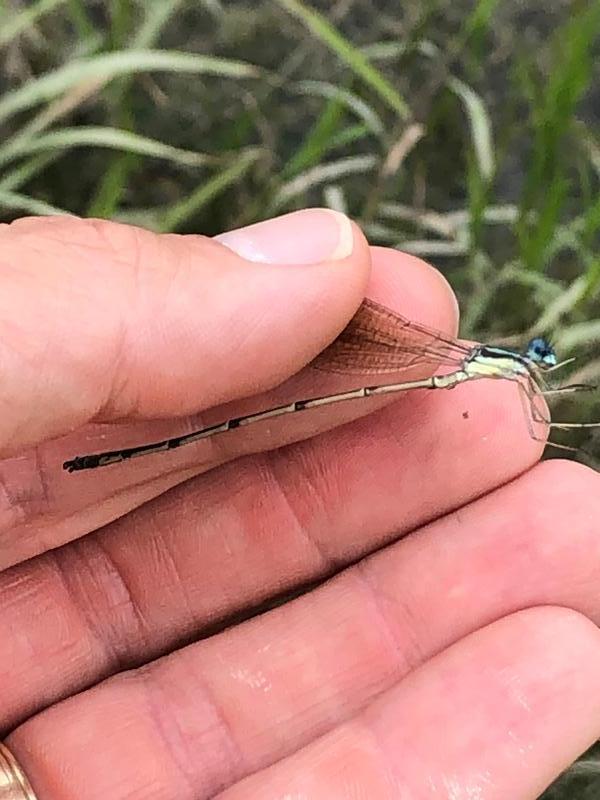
[
  {"x": 384, "y": 51},
  {"x": 61, "y": 107},
  {"x": 263, "y": 205},
  {"x": 348, "y": 136},
  {"x": 24, "y": 172},
  {"x": 120, "y": 13},
  {"x": 428, "y": 248},
  {"x": 591, "y": 276},
  {"x": 591, "y": 223},
  {"x": 479, "y": 19},
  {"x": 148, "y": 218},
  {"x": 317, "y": 141},
  {"x": 157, "y": 14},
  {"x": 181, "y": 212},
  {"x": 21, "y": 21},
  {"x": 560, "y": 307},
  {"x": 546, "y": 185},
  {"x": 22, "y": 202},
  {"x": 81, "y": 20},
  {"x": 323, "y": 173},
  {"x": 478, "y": 190},
  {"x": 349, "y": 54},
  {"x": 349, "y": 99},
  {"x": 113, "y": 138},
  {"x": 112, "y": 186},
  {"x": 471, "y": 39},
  {"x": 112, "y": 65},
  {"x": 113, "y": 183},
  {"x": 401, "y": 141},
  {"x": 335, "y": 198},
  {"x": 423, "y": 218},
  {"x": 581, "y": 333},
  {"x": 480, "y": 124}
]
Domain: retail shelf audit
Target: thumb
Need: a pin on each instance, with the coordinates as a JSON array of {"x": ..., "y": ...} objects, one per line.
[{"x": 103, "y": 321}]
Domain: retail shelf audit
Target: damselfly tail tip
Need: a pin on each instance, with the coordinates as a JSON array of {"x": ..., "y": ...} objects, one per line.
[{"x": 75, "y": 464}]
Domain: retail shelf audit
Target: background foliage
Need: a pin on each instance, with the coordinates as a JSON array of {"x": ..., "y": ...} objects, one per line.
[{"x": 465, "y": 132}]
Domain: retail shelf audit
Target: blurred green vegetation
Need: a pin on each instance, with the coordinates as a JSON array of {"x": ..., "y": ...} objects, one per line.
[{"x": 465, "y": 132}]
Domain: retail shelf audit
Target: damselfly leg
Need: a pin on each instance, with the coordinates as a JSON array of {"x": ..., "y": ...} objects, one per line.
[
  {"x": 533, "y": 415},
  {"x": 530, "y": 391}
]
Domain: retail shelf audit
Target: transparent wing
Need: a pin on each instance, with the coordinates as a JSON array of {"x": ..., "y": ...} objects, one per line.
[{"x": 377, "y": 340}]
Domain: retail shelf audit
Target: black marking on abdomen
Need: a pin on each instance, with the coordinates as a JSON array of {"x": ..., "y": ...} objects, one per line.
[{"x": 491, "y": 351}]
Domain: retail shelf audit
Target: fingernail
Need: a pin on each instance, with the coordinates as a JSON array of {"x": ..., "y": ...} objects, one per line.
[{"x": 302, "y": 237}]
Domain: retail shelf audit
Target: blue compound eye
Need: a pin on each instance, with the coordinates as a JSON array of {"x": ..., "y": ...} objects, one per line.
[{"x": 541, "y": 352}]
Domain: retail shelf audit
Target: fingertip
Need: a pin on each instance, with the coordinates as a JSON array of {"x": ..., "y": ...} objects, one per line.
[
  {"x": 309, "y": 236},
  {"x": 415, "y": 288}
]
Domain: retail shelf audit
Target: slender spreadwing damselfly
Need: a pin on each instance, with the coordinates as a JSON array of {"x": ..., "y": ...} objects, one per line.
[{"x": 378, "y": 341}]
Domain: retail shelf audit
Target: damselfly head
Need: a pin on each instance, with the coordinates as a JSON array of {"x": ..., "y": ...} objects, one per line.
[{"x": 541, "y": 352}]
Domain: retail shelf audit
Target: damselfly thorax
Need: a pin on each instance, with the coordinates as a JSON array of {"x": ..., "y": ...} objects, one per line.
[{"x": 378, "y": 341}]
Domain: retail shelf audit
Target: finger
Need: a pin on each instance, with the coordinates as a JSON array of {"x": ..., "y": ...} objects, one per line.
[
  {"x": 515, "y": 727},
  {"x": 367, "y": 629},
  {"x": 481, "y": 720},
  {"x": 45, "y": 506},
  {"x": 126, "y": 323},
  {"x": 252, "y": 530}
]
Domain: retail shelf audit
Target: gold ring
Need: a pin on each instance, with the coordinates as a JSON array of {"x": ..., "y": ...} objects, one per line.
[{"x": 13, "y": 782}]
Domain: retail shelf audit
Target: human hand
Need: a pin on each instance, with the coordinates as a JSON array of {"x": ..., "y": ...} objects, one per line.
[{"x": 458, "y": 662}]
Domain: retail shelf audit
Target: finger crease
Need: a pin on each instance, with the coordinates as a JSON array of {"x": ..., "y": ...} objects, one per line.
[
  {"x": 225, "y": 763},
  {"x": 328, "y": 563},
  {"x": 114, "y": 619},
  {"x": 405, "y": 648}
]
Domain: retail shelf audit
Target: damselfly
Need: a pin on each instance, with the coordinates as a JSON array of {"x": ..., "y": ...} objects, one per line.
[{"x": 378, "y": 341}]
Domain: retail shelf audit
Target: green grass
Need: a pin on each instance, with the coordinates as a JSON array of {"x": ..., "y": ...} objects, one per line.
[{"x": 467, "y": 133}]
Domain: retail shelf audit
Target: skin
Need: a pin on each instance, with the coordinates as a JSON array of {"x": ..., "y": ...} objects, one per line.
[{"x": 461, "y": 661}]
